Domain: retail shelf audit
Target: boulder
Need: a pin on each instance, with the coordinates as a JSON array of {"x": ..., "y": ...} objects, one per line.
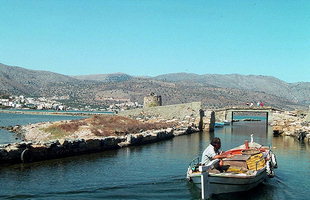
[{"x": 93, "y": 144}]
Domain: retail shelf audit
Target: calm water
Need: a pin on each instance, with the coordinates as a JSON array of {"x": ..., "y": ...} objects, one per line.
[
  {"x": 8, "y": 119},
  {"x": 155, "y": 171},
  {"x": 67, "y": 111}
]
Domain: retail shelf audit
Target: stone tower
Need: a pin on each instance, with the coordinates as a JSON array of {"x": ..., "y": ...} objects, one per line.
[{"x": 152, "y": 100}]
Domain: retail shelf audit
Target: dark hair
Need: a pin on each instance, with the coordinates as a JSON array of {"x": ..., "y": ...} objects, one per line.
[{"x": 215, "y": 141}]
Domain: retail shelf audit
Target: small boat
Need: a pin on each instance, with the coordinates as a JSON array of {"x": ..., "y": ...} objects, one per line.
[
  {"x": 226, "y": 122},
  {"x": 250, "y": 164},
  {"x": 219, "y": 124}
]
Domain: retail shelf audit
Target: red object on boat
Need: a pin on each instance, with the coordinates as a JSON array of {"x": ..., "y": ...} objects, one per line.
[
  {"x": 246, "y": 144},
  {"x": 233, "y": 152}
]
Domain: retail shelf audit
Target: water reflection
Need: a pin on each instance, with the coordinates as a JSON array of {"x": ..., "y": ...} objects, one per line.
[
  {"x": 156, "y": 171},
  {"x": 246, "y": 128},
  {"x": 289, "y": 143}
]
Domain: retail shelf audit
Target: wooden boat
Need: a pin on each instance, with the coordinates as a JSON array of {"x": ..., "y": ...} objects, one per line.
[{"x": 249, "y": 165}]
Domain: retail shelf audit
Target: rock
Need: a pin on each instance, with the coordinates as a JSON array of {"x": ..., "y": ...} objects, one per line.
[
  {"x": 123, "y": 144},
  {"x": 169, "y": 130},
  {"x": 62, "y": 141},
  {"x": 277, "y": 132},
  {"x": 93, "y": 144},
  {"x": 129, "y": 139},
  {"x": 24, "y": 145},
  {"x": 179, "y": 132},
  {"x": 16, "y": 128},
  {"x": 81, "y": 145},
  {"x": 110, "y": 142},
  {"x": 301, "y": 135}
]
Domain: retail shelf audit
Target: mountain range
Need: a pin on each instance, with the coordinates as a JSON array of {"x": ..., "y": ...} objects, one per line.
[{"x": 214, "y": 90}]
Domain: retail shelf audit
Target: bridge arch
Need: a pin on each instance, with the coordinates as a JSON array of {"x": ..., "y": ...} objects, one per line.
[{"x": 229, "y": 112}]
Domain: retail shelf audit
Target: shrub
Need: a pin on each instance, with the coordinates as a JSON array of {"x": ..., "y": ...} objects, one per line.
[{"x": 55, "y": 131}]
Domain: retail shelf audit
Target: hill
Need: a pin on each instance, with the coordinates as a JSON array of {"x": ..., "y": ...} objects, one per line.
[
  {"x": 103, "y": 89},
  {"x": 17, "y": 80},
  {"x": 295, "y": 92},
  {"x": 117, "y": 77}
]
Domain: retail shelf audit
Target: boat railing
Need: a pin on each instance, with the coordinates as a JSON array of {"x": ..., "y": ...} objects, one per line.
[{"x": 194, "y": 163}]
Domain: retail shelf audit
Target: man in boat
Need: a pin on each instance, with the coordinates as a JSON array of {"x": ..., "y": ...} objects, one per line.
[{"x": 213, "y": 152}]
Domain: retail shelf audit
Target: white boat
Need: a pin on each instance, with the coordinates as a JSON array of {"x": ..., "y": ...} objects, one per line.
[{"x": 249, "y": 165}]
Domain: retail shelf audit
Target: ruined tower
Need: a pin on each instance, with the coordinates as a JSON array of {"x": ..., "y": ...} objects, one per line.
[{"x": 152, "y": 100}]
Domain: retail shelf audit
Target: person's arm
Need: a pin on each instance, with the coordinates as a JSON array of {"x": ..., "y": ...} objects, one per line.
[
  {"x": 221, "y": 156},
  {"x": 211, "y": 155}
]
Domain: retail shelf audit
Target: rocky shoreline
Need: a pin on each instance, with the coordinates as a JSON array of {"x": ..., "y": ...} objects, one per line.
[
  {"x": 291, "y": 124},
  {"x": 49, "y": 140},
  {"x": 31, "y": 152}
]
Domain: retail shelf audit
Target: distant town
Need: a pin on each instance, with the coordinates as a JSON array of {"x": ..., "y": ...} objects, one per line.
[{"x": 53, "y": 103}]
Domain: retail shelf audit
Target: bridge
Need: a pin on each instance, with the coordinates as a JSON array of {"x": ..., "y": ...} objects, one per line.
[{"x": 227, "y": 113}]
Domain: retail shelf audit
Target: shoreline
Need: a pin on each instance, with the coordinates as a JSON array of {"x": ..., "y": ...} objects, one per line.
[
  {"x": 38, "y": 149},
  {"x": 26, "y": 152},
  {"x": 64, "y": 113},
  {"x": 50, "y": 140},
  {"x": 290, "y": 124}
]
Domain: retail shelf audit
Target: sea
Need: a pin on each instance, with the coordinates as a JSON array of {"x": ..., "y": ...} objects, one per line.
[{"x": 152, "y": 171}]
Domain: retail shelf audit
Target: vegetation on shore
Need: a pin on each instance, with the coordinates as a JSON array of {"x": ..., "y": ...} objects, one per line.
[
  {"x": 102, "y": 126},
  {"x": 4, "y": 107}
]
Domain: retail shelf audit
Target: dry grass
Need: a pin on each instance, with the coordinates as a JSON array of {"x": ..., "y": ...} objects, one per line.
[
  {"x": 62, "y": 130},
  {"x": 55, "y": 131},
  {"x": 73, "y": 125},
  {"x": 105, "y": 125},
  {"x": 118, "y": 125}
]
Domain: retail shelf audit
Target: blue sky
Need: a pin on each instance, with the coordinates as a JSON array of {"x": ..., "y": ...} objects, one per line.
[{"x": 148, "y": 37}]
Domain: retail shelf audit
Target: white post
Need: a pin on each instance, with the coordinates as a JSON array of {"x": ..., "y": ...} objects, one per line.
[
  {"x": 205, "y": 186},
  {"x": 205, "y": 193}
]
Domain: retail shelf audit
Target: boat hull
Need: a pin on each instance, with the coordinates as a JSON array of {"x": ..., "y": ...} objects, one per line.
[{"x": 228, "y": 183}]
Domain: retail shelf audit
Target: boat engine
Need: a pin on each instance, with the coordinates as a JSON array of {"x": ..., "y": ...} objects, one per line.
[
  {"x": 274, "y": 161},
  {"x": 269, "y": 169},
  {"x": 271, "y": 164}
]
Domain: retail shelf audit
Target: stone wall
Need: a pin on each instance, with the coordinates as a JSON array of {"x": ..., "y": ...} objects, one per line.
[
  {"x": 188, "y": 114},
  {"x": 29, "y": 152},
  {"x": 220, "y": 116},
  {"x": 176, "y": 111},
  {"x": 208, "y": 120}
]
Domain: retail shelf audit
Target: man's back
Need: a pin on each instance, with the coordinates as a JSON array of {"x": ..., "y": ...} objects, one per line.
[{"x": 208, "y": 154}]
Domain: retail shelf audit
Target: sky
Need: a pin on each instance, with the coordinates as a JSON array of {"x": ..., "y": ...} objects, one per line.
[{"x": 153, "y": 37}]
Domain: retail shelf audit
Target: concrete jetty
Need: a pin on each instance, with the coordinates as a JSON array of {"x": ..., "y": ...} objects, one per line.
[
  {"x": 189, "y": 118},
  {"x": 30, "y": 152}
]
